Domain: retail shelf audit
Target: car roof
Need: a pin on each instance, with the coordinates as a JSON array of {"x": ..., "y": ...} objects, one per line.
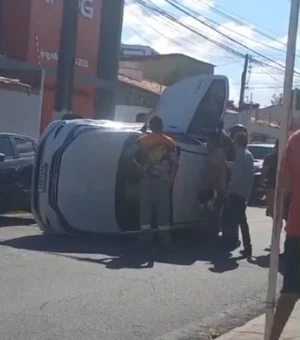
[{"x": 10, "y": 134}]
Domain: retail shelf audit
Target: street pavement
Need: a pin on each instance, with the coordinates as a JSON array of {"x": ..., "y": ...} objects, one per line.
[
  {"x": 255, "y": 329},
  {"x": 99, "y": 288}
]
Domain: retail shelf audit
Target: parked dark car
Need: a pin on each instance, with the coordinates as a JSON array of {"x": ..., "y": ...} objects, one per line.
[
  {"x": 16, "y": 165},
  {"x": 259, "y": 152}
]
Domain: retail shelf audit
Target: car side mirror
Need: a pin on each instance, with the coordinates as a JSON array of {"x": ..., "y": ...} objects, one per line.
[{"x": 2, "y": 157}]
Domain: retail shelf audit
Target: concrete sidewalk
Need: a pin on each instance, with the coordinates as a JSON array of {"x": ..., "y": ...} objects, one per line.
[{"x": 254, "y": 330}]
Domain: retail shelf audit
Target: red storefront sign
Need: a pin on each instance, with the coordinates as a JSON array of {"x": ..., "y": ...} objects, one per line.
[{"x": 43, "y": 18}]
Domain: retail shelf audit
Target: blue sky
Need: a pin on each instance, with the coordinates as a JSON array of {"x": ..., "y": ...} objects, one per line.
[{"x": 269, "y": 16}]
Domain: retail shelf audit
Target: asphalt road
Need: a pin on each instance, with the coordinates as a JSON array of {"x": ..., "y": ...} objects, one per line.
[{"x": 95, "y": 288}]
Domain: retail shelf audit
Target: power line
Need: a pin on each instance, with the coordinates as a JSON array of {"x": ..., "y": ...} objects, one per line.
[
  {"x": 221, "y": 12},
  {"x": 227, "y": 28},
  {"x": 173, "y": 3},
  {"x": 157, "y": 11},
  {"x": 150, "y": 9},
  {"x": 167, "y": 22},
  {"x": 140, "y": 35}
]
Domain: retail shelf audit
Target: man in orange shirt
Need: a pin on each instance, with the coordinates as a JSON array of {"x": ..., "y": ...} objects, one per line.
[
  {"x": 289, "y": 182},
  {"x": 158, "y": 165}
]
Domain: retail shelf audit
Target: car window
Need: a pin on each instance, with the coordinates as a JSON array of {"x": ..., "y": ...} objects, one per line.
[
  {"x": 24, "y": 147},
  {"x": 210, "y": 109},
  {"x": 6, "y": 148},
  {"x": 260, "y": 152}
]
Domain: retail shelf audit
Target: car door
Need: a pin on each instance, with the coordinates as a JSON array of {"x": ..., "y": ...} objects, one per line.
[
  {"x": 9, "y": 174},
  {"x": 193, "y": 106},
  {"x": 25, "y": 151}
]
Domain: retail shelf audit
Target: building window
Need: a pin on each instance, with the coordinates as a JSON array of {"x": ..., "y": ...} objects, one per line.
[{"x": 143, "y": 99}]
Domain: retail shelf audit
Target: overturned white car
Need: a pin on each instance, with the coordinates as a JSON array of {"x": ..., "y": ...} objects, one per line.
[{"x": 81, "y": 178}]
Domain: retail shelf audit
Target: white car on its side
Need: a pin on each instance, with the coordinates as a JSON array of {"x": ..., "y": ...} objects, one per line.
[{"x": 81, "y": 178}]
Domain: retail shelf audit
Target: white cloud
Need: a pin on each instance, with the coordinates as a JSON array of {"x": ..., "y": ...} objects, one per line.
[
  {"x": 168, "y": 38},
  {"x": 199, "y": 5},
  {"x": 159, "y": 2}
]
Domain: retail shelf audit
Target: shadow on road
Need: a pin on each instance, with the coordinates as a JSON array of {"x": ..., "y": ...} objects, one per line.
[
  {"x": 263, "y": 261},
  {"x": 10, "y": 221},
  {"x": 125, "y": 252}
]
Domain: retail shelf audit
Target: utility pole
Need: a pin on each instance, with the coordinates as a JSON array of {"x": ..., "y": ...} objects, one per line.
[
  {"x": 66, "y": 59},
  {"x": 243, "y": 82},
  {"x": 278, "y": 205}
]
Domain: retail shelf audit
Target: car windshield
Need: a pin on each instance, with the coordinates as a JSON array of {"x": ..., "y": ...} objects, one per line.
[{"x": 260, "y": 152}]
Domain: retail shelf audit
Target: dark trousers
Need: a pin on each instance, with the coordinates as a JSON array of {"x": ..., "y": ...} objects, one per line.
[{"x": 234, "y": 216}]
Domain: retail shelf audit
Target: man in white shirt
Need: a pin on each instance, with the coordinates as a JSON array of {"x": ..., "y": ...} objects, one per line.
[{"x": 239, "y": 191}]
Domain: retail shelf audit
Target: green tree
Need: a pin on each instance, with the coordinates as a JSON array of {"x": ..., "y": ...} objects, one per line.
[{"x": 277, "y": 99}]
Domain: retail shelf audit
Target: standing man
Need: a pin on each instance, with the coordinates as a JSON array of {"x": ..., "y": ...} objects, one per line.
[
  {"x": 214, "y": 174},
  {"x": 159, "y": 162},
  {"x": 289, "y": 183},
  {"x": 239, "y": 191}
]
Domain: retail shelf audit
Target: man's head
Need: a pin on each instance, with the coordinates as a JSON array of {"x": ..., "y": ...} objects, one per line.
[
  {"x": 240, "y": 140},
  {"x": 156, "y": 124},
  {"x": 235, "y": 129}
]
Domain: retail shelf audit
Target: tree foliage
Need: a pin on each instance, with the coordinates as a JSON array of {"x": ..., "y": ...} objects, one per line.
[{"x": 277, "y": 99}]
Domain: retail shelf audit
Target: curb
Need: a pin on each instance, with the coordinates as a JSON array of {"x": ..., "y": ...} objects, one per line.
[
  {"x": 219, "y": 325},
  {"x": 253, "y": 330}
]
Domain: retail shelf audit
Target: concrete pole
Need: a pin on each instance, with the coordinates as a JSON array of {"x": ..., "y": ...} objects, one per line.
[
  {"x": 66, "y": 59},
  {"x": 278, "y": 205}
]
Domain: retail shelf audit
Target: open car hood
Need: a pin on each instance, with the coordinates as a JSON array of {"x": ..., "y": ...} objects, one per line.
[{"x": 194, "y": 105}]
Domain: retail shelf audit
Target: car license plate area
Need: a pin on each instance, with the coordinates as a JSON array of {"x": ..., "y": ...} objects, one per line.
[{"x": 42, "y": 184}]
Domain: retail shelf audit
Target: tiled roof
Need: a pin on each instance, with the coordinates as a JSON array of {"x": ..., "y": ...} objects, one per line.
[
  {"x": 143, "y": 84},
  {"x": 12, "y": 84},
  {"x": 10, "y": 81}
]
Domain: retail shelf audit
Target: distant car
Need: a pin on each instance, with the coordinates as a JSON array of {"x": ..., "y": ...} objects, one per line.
[
  {"x": 259, "y": 152},
  {"x": 17, "y": 154}
]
